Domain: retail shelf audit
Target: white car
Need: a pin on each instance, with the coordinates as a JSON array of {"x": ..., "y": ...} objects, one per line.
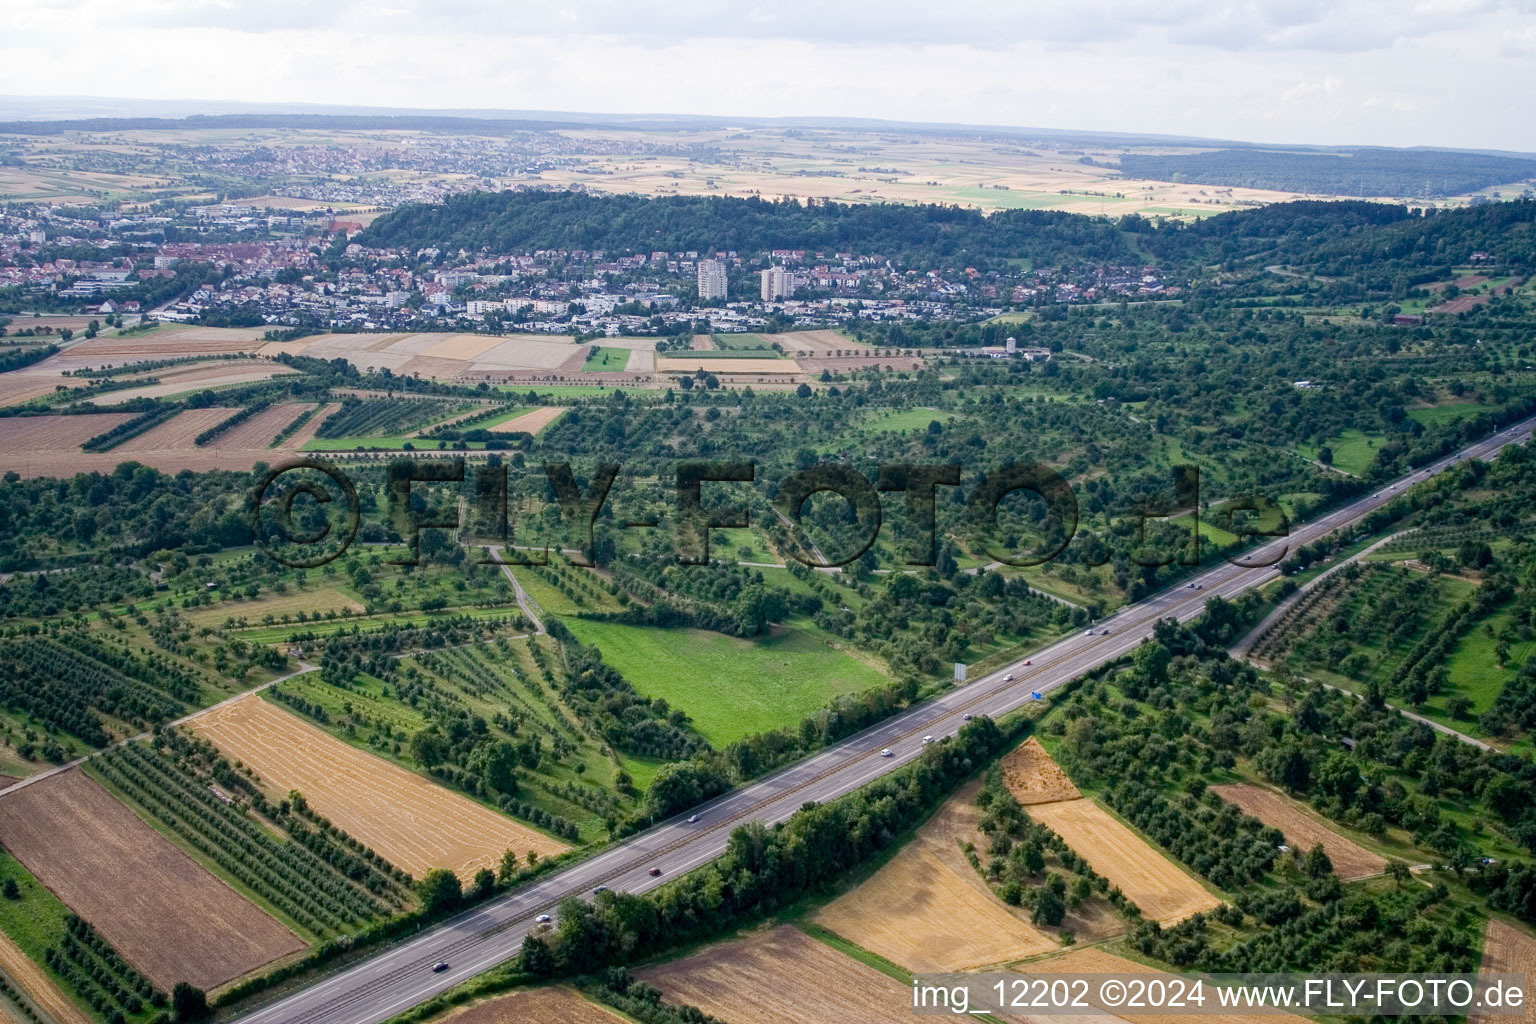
[
  {"x": 927, "y": 740},
  {"x": 886, "y": 752},
  {"x": 693, "y": 820},
  {"x": 543, "y": 919},
  {"x": 1089, "y": 633},
  {"x": 1007, "y": 677}
]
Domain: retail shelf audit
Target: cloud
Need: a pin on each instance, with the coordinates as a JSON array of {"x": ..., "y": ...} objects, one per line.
[{"x": 1323, "y": 71}]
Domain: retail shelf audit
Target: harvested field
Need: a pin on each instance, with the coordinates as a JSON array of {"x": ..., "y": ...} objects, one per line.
[
  {"x": 819, "y": 343},
  {"x": 785, "y": 977},
  {"x": 1461, "y": 304},
  {"x": 532, "y": 422},
  {"x": 1097, "y": 961},
  {"x": 21, "y": 435},
  {"x": 19, "y": 385},
  {"x": 246, "y": 371},
  {"x": 38, "y": 986},
  {"x": 305, "y": 433},
  {"x": 461, "y": 346},
  {"x": 259, "y": 430},
  {"x": 160, "y": 909},
  {"x": 1507, "y": 950},
  {"x": 575, "y": 362},
  {"x": 1162, "y": 891},
  {"x": 415, "y": 824},
  {"x": 1302, "y": 832},
  {"x": 530, "y": 353},
  {"x": 432, "y": 367},
  {"x": 702, "y": 343},
  {"x": 848, "y": 364},
  {"x": 641, "y": 361},
  {"x": 165, "y": 343},
  {"x": 307, "y": 601},
  {"x": 538, "y": 1006},
  {"x": 701, "y": 364},
  {"x": 1034, "y": 778},
  {"x": 175, "y": 434},
  {"x": 928, "y": 910}
]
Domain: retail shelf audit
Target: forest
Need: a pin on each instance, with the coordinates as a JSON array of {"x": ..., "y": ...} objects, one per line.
[
  {"x": 1416, "y": 173},
  {"x": 1305, "y": 234}
]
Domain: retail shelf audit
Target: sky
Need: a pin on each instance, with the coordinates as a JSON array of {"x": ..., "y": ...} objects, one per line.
[{"x": 1456, "y": 73}]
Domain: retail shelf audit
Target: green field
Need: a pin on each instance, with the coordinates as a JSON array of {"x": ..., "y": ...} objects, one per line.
[
  {"x": 730, "y": 687},
  {"x": 904, "y": 419},
  {"x": 728, "y": 544},
  {"x": 605, "y": 359},
  {"x": 1353, "y": 451},
  {"x": 1438, "y": 415},
  {"x": 1474, "y": 667}
]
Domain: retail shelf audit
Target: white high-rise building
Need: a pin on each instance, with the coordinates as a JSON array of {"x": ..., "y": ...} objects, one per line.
[
  {"x": 778, "y": 283},
  {"x": 711, "y": 280}
]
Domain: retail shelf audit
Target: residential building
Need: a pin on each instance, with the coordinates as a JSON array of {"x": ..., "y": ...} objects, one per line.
[{"x": 711, "y": 280}]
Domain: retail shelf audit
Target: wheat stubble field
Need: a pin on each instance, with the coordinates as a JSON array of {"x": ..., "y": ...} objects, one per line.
[
  {"x": 413, "y": 823},
  {"x": 161, "y": 910},
  {"x": 1350, "y": 860},
  {"x": 1508, "y": 950},
  {"x": 928, "y": 910},
  {"x": 1161, "y": 890},
  {"x": 784, "y": 976},
  {"x": 38, "y": 986}
]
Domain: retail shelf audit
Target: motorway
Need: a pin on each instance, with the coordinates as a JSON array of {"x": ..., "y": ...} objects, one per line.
[{"x": 398, "y": 978}]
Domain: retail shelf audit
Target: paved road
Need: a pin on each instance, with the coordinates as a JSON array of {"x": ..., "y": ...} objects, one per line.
[{"x": 399, "y": 978}]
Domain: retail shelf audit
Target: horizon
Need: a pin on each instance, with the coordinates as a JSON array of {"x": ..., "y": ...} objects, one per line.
[{"x": 1362, "y": 73}]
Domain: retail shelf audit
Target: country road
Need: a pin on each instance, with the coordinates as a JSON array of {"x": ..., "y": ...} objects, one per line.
[{"x": 398, "y": 978}]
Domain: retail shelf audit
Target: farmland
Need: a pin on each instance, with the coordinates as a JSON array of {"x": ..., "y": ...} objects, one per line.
[
  {"x": 1350, "y": 860},
  {"x": 170, "y": 918},
  {"x": 537, "y": 1006},
  {"x": 1034, "y": 778},
  {"x": 1100, "y": 961},
  {"x": 308, "y": 883},
  {"x": 268, "y": 609},
  {"x": 37, "y": 985},
  {"x": 443, "y": 356},
  {"x": 259, "y": 430},
  {"x": 1507, "y": 950},
  {"x": 753, "y": 972},
  {"x": 412, "y": 822},
  {"x": 91, "y": 687},
  {"x": 530, "y": 422},
  {"x": 731, "y": 687},
  {"x": 605, "y": 359},
  {"x": 384, "y": 417},
  {"x": 718, "y": 363},
  {"x": 927, "y": 910},
  {"x": 1148, "y": 879}
]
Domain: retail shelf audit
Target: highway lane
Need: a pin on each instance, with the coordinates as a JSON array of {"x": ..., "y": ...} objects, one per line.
[{"x": 402, "y": 976}]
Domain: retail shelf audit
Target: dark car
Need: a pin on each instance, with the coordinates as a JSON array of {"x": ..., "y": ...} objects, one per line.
[
  {"x": 655, "y": 872},
  {"x": 440, "y": 967}
]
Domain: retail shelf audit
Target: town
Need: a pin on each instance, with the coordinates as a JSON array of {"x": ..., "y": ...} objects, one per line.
[{"x": 288, "y": 270}]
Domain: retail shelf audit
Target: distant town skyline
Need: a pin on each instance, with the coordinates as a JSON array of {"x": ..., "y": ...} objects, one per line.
[{"x": 1451, "y": 73}]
